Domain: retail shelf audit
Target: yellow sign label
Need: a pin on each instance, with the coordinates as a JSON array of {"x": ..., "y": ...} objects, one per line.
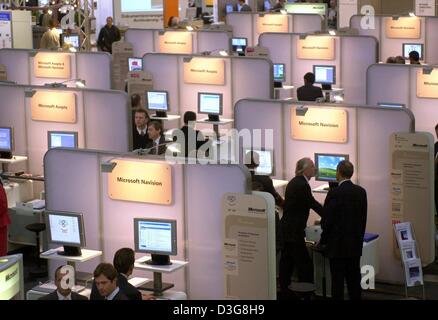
[
  {"x": 427, "y": 84},
  {"x": 9, "y": 282},
  {"x": 54, "y": 106},
  {"x": 272, "y": 23},
  {"x": 175, "y": 42},
  {"x": 141, "y": 182},
  {"x": 403, "y": 28},
  {"x": 205, "y": 71},
  {"x": 325, "y": 125},
  {"x": 316, "y": 48},
  {"x": 52, "y": 65}
]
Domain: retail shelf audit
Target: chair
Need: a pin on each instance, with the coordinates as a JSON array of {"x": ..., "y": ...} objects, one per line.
[{"x": 38, "y": 271}]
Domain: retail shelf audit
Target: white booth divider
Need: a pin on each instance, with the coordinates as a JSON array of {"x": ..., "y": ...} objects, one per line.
[
  {"x": 390, "y": 44},
  {"x": 145, "y": 41},
  {"x": 252, "y": 25},
  {"x": 368, "y": 131},
  {"x": 93, "y": 67},
  {"x": 101, "y": 120},
  {"x": 237, "y": 78},
  {"x": 350, "y": 54},
  {"x": 109, "y": 223},
  {"x": 397, "y": 84}
]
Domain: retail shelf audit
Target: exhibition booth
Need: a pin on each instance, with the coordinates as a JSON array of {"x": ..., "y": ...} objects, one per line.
[
  {"x": 38, "y": 67},
  {"x": 398, "y": 35},
  {"x": 227, "y": 251},
  {"x": 342, "y": 61},
  {"x": 378, "y": 141},
  {"x": 251, "y": 25}
]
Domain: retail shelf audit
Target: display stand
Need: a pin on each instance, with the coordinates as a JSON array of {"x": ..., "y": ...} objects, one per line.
[
  {"x": 15, "y": 159},
  {"x": 216, "y": 124},
  {"x": 157, "y": 286},
  {"x": 285, "y": 92}
]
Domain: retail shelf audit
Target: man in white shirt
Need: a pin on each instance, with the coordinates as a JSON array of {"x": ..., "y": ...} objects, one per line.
[
  {"x": 105, "y": 278},
  {"x": 63, "y": 291},
  {"x": 50, "y": 38}
]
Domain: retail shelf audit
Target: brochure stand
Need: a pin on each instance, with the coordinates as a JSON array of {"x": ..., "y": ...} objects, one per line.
[{"x": 410, "y": 257}]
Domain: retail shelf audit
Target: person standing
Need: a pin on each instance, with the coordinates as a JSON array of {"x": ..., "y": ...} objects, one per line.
[
  {"x": 4, "y": 221},
  {"x": 343, "y": 228},
  {"x": 108, "y": 35},
  {"x": 50, "y": 38}
]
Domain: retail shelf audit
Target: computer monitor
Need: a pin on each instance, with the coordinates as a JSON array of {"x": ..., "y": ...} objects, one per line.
[
  {"x": 325, "y": 75},
  {"x": 156, "y": 237},
  {"x": 62, "y": 139},
  {"x": 326, "y": 164},
  {"x": 135, "y": 64},
  {"x": 267, "y": 5},
  {"x": 391, "y": 105},
  {"x": 158, "y": 101},
  {"x": 408, "y": 47},
  {"x": 229, "y": 8},
  {"x": 73, "y": 39},
  {"x": 279, "y": 74},
  {"x": 6, "y": 142},
  {"x": 238, "y": 45},
  {"x": 12, "y": 277},
  {"x": 210, "y": 104},
  {"x": 266, "y": 161},
  {"x": 67, "y": 229}
]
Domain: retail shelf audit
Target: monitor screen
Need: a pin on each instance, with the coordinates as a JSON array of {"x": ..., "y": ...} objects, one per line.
[
  {"x": 326, "y": 164},
  {"x": 266, "y": 162},
  {"x": 279, "y": 72},
  {"x": 6, "y": 139},
  {"x": 135, "y": 64},
  {"x": 391, "y": 105},
  {"x": 229, "y": 8},
  {"x": 325, "y": 74},
  {"x": 239, "y": 44},
  {"x": 62, "y": 139},
  {"x": 66, "y": 228},
  {"x": 157, "y": 100},
  {"x": 73, "y": 39},
  {"x": 408, "y": 47},
  {"x": 210, "y": 103},
  {"x": 267, "y": 5},
  {"x": 155, "y": 236}
]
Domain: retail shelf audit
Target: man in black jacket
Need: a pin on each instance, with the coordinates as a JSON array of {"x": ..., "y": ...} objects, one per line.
[
  {"x": 62, "y": 293},
  {"x": 157, "y": 142},
  {"x": 105, "y": 278},
  {"x": 107, "y": 35},
  {"x": 140, "y": 138},
  {"x": 343, "y": 225},
  {"x": 309, "y": 92},
  {"x": 298, "y": 202}
]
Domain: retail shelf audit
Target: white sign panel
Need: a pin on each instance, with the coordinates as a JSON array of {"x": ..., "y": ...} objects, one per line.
[{"x": 425, "y": 7}]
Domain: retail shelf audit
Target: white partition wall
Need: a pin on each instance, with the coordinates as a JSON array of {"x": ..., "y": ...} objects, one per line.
[
  {"x": 101, "y": 120},
  {"x": 367, "y": 144},
  {"x": 251, "y": 25},
  {"x": 93, "y": 67},
  {"x": 391, "y": 45},
  {"x": 146, "y": 41},
  {"x": 109, "y": 222},
  {"x": 351, "y": 55}
]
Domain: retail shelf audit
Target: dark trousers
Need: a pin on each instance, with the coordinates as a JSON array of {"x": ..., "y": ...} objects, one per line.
[
  {"x": 347, "y": 269},
  {"x": 295, "y": 255}
]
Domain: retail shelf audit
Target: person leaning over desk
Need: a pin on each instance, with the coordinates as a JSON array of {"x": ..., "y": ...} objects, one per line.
[{"x": 62, "y": 293}]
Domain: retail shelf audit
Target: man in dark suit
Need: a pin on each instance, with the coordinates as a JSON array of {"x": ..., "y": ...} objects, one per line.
[
  {"x": 343, "y": 224},
  {"x": 193, "y": 139},
  {"x": 309, "y": 92},
  {"x": 62, "y": 293},
  {"x": 157, "y": 141},
  {"x": 140, "y": 133},
  {"x": 298, "y": 202},
  {"x": 105, "y": 278}
]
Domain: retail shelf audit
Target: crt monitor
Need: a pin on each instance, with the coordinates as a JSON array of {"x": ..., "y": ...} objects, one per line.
[
  {"x": 158, "y": 101},
  {"x": 326, "y": 164},
  {"x": 72, "y": 39},
  {"x": 135, "y": 64},
  {"x": 210, "y": 104},
  {"x": 408, "y": 47},
  {"x": 6, "y": 142},
  {"x": 238, "y": 45},
  {"x": 266, "y": 161},
  {"x": 156, "y": 237},
  {"x": 67, "y": 229},
  {"x": 325, "y": 75},
  {"x": 62, "y": 139}
]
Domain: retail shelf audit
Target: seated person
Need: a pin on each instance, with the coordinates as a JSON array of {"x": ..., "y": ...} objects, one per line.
[
  {"x": 244, "y": 7},
  {"x": 62, "y": 293},
  {"x": 190, "y": 134},
  {"x": 414, "y": 57},
  {"x": 309, "y": 92},
  {"x": 400, "y": 60},
  {"x": 105, "y": 278},
  {"x": 140, "y": 138},
  {"x": 278, "y": 6},
  {"x": 157, "y": 140}
]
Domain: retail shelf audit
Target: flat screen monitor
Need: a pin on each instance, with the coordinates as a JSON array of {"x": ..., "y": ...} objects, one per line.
[
  {"x": 135, "y": 64},
  {"x": 158, "y": 101},
  {"x": 325, "y": 75},
  {"x": 211, "y": 104},
  {"x": 238, "y": 45},
  {"x": 156, "y": 237},
  {"x": 12, "y": 277},
  {"x": 67, "y": 229},
  {"x": 391, "y": 105},
  {"x": 72, "y": 39},
  {"x": 267, "y": 5},
  {"x": 6, "y": 142},
  {"x": 279, "y": 74},
  {"x": 229, "y": 8},
  {"x": 62, "y": 139},
  {"x": 266, "y": 162},
  {"x": 408, "y": 47},
  {"x": 326, "y": 164}
]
